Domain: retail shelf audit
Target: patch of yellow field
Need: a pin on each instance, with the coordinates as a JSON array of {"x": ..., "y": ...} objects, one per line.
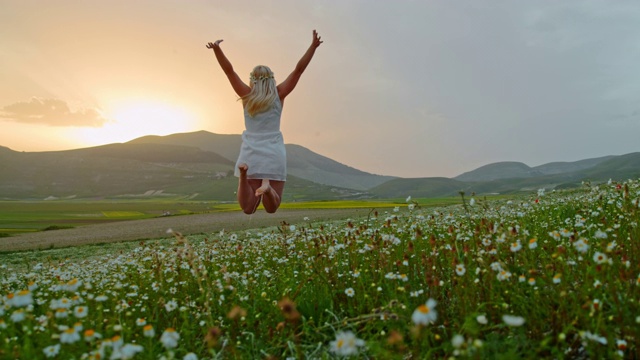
[{"x": 113, "y": 214}]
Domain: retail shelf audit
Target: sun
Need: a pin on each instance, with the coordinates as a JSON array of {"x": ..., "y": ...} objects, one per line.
[{"x": 134, "y": 119}]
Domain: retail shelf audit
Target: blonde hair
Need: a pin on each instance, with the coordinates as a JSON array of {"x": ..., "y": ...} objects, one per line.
[{"x": 263, "y": 91}]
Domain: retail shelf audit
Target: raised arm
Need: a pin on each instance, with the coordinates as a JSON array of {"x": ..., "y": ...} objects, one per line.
[
  {"x": 291, "y": 81},
  {"x": 238, "y": 85}
]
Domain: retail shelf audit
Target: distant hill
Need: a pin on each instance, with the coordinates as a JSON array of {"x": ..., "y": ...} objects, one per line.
[
  {"x": 565, "y": 167},
  {"x": 619, "y": 168},
  {"x": 109, "y": 170},
  {"x": 200, "y": 165},
  {"x": 226, "y": 145},
  {"x": 514, "y": 170},
  {"x": 153, "y": 153},
  {"x": 306, "y": 164},
  {"x": 500, "y": 170},
  {"x": 135, "y": 171},
  {"x": 419, "y": 187},
  {"x": 301, "y": 162}
]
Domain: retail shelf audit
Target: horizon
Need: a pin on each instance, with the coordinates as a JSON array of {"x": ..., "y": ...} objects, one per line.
[
  {"x": 406, "y": 89},
  {"x": 393, "y": 175}
]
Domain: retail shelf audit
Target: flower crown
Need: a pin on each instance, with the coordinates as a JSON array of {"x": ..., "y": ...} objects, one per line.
[{"x": 261, "y": 77}]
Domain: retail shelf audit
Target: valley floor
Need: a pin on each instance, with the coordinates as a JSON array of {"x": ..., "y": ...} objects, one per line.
[{"x": 156, "y": 228}]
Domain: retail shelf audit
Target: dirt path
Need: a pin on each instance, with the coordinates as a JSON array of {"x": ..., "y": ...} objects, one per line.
[{"x": 157, "y": 228}]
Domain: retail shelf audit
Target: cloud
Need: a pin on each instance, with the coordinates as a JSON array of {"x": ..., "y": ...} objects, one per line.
[{"x": 52, "y": 112}]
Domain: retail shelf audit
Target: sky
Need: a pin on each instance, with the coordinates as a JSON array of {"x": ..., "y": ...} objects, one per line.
[{"x": 402, "y": 88}]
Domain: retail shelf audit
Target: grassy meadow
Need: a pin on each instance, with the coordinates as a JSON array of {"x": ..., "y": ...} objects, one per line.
[
  {"x": 29, "y": 216},
  {"x": 550, "y": 275}
]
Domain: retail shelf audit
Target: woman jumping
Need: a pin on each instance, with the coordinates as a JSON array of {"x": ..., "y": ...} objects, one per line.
[{"x": 262, "y": 163}]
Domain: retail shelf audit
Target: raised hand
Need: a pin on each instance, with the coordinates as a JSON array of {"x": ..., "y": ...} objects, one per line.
[
  {"x": 316, "y": 40},
  {"x": 215, "y": 44}
]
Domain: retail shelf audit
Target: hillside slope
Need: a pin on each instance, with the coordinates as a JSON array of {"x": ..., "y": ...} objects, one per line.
[
  {"x": 138, "y": 170},
  {"x": 618, "y": 168},
  {"x": 301, "y": 162},
  {"x": 116, "y": 169},
  {"x": 419, "y": 187},
  {"x": 184, "y": 165},
  {"x": 516, "y": 170},
  {"x": 560, "y": 167},
  {"x": 499, "y": 170}
]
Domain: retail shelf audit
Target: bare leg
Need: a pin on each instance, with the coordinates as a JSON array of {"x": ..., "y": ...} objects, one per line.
[
  {"x": 246, "y": 194},
  {"x": 272, "y": 197},
  {"x": 263, "y": 188}
]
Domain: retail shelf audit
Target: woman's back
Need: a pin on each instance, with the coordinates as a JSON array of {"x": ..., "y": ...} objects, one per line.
[{"x": 266, "y": 122}]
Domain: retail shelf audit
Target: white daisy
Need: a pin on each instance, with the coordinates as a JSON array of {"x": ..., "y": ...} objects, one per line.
[
  {"x": 346, "y": 344},
  {"x": 51, "y": 351},
  {"x": 460, "y": 269},
  {"x": 512, "y": 320},
  {"x": 425, "y": 314},
  {"x": 169, "y": 338}
]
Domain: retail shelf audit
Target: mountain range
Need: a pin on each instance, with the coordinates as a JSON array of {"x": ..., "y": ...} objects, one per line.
[{"x": 199, "y": 165}]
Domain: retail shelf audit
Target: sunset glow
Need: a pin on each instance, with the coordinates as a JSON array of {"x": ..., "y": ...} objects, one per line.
[{"x": 138, "y": 118}]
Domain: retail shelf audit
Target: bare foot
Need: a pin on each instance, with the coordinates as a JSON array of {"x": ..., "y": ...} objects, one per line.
[{"x": 265, "y": 188}]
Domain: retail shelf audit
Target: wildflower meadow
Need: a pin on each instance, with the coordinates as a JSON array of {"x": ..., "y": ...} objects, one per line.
[{"x": 552, "y": 274}]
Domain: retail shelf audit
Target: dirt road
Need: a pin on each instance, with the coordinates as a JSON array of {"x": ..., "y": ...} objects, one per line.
[{"x": 157, "y": 228}]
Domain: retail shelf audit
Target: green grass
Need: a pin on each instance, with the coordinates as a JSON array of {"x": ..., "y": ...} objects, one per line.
[
  {"x": 123, "y": 214},
  {"x": 29, "y": 216},
  {"x": 372, "y": 204},
  {"x": 339, "y": 204},
  {"x": 564, "y": 264}
]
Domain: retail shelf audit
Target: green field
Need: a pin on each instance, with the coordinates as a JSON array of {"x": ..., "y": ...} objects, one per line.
[
  {"x": 340, "y": 204},
  {"x": 539, "y": 276},
  {"x": 29, "y": 216}
]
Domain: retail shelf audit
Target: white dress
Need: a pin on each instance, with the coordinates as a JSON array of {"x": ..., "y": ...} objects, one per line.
[{"x": 262, "y": 146}]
